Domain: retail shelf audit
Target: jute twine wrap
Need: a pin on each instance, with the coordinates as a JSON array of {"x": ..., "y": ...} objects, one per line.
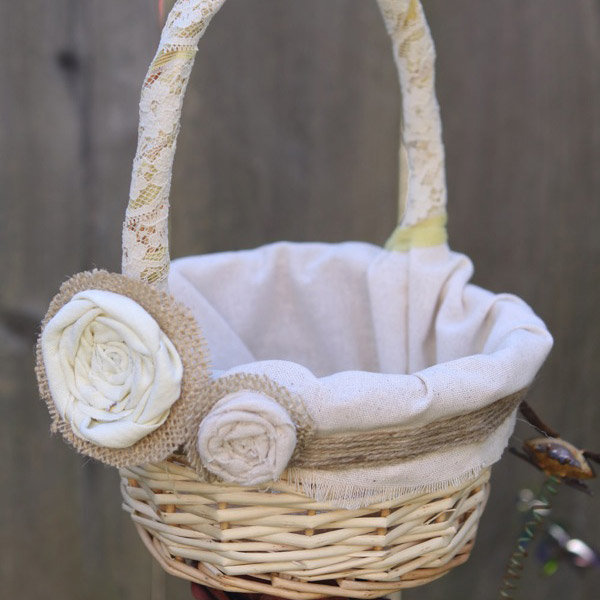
[
  {"x": 180, "y": 326},
  {"x": 220, "y": 388},
  {"x": 394, "y": 445}
]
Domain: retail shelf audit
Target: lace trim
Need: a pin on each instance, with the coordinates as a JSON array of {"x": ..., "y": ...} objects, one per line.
[
  {"x": 424, "y": 194},
  {"x": 145, "y": 230}
]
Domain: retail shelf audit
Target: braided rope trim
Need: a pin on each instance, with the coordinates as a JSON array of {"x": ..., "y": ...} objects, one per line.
[{"x": 179, "y": 325}]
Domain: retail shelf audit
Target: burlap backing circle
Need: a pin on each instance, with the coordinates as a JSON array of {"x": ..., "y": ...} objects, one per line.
[{"x": 177, "y": 322}]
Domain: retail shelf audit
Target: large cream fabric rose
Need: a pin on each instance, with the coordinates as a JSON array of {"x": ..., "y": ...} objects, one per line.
[
  {"x": 247, "y": 438},
  {"x": 112, "y": 373}
]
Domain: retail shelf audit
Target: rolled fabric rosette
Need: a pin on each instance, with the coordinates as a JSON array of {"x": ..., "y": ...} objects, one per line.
[
  {"x": 247, "y": 438},
  {"x": 112, "y": 372}
]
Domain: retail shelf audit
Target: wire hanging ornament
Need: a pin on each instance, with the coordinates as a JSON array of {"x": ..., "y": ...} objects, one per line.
[{"x": 561, "y": 462}]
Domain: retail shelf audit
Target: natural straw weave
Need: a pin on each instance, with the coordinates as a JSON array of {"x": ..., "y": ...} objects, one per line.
[{"x": 283, "y": 543}]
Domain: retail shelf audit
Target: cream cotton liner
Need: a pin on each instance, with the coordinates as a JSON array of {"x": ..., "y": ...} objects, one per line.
[
  {"x": 369, "y": 339},
  {"x": 369, "y": 449}
]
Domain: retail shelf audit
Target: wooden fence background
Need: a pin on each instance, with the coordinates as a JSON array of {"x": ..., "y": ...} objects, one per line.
[{"x": 290, "y": 131}]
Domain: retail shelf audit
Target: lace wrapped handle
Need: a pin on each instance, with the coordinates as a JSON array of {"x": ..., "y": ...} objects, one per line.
[{"x": 422, "y": 203}]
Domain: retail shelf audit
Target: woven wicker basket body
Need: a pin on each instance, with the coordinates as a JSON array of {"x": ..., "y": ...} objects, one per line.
[{"x": 284, "y": 543}]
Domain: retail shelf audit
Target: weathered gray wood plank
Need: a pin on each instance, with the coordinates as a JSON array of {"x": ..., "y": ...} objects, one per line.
[{"x": 71, "y": 72}]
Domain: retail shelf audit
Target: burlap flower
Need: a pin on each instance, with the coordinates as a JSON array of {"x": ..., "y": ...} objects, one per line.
[
  {"x": 113, "y": 374},
  {"x": 247, "y": 438},
  {"x": 120, "y": 366}
]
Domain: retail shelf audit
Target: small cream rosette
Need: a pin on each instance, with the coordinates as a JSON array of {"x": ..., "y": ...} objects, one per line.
[
  {"x": 112, "y": 373},
  {"x": 247, "y": 438}
]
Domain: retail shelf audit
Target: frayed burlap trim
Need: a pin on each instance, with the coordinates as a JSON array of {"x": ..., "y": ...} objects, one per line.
[
  {"x": 255, "y": 383},
  {"x": 177, "y": 322}
]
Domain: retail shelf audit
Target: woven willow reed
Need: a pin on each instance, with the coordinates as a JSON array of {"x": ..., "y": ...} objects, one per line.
[{"x": 284, "y": 543}]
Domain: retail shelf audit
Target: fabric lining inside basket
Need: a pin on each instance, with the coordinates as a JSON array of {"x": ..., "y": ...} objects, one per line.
[
  {"x": 312, "y": 311},
  {"x": 368, "y": 338}
]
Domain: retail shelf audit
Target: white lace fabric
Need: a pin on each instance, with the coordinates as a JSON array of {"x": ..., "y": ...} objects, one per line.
[{"x": 145, "y": 230}]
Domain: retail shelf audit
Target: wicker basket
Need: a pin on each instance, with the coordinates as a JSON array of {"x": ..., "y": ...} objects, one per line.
[
  {"x": 283, "y": 543},
  {"x": 418, "y": 439}
]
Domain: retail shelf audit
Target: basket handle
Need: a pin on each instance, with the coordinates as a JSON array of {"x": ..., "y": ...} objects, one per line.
[{"x": 422, "y": 201}]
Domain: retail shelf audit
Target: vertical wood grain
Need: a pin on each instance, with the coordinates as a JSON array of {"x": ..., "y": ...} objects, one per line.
[
  {"x": 70, "y": 73},
  {"x": 290, "y": 132}
]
